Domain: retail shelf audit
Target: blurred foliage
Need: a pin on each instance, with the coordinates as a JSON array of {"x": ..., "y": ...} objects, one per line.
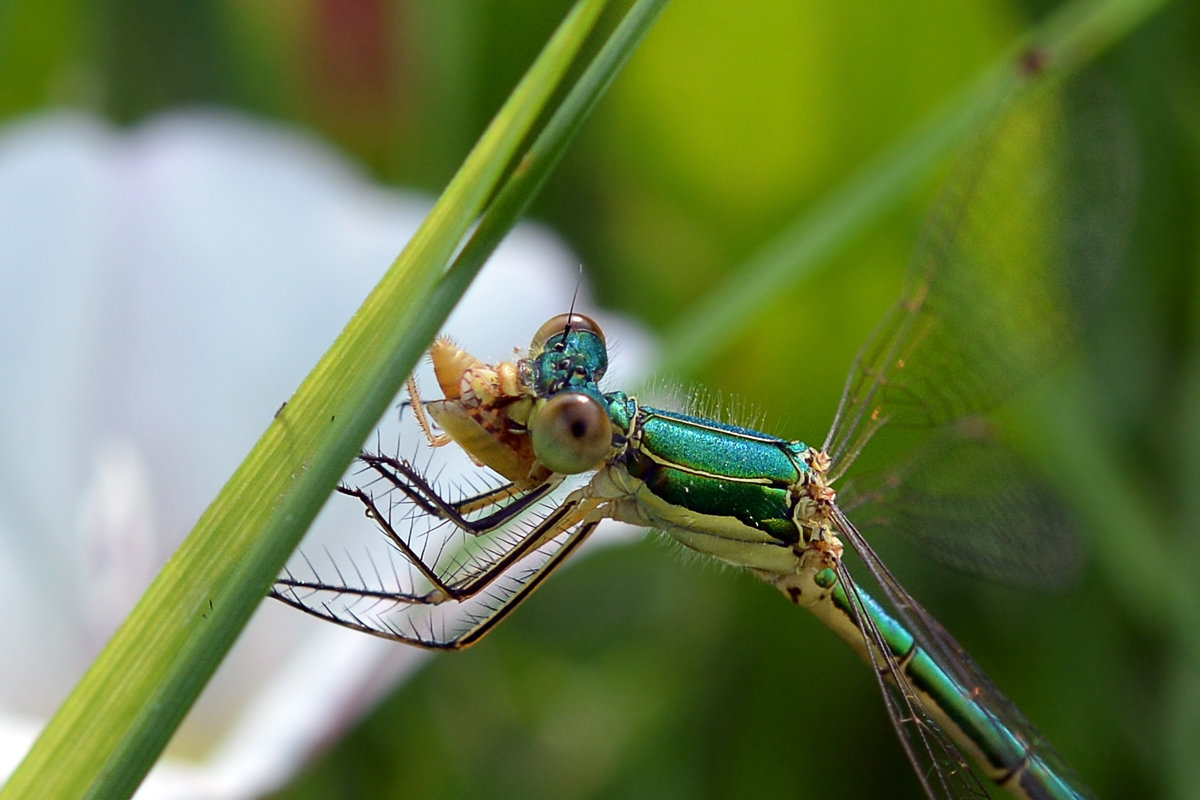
[{"x": 638, "y": 673}]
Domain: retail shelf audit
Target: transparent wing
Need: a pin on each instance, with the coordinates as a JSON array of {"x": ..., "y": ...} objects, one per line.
[
  {"x": 970, "y": 503},
  {"x": 1026, "y": 237}
]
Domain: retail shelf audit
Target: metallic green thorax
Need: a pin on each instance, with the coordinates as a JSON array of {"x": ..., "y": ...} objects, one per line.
[{"x": 709, "y": 467}]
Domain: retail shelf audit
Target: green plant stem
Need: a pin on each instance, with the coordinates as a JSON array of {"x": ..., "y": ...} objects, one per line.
[
  {"x": 111, "y": 729},
  {"x": 514, "y": 197}
]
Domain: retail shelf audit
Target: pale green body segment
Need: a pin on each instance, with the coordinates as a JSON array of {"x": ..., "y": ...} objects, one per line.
[{"x": 1007, "y": 760}]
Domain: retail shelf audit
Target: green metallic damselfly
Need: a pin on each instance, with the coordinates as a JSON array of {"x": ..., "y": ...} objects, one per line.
[{"x": 984, "y": 308}]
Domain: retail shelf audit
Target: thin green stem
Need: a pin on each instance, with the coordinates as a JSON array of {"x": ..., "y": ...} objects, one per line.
[
  {"x": 120, "y": 716},
  {"x": 538, "y": 162}
]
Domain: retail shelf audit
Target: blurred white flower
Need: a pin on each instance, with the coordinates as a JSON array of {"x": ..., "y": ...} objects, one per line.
[{"x": 164, "y": 290}]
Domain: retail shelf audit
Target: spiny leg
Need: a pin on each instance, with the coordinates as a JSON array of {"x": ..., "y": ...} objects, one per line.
[
  {"x": 401, "y": 475},
  {"x": 467, "y": 579},
  {"x": 386, "y": 613},
  {"x": 534, "y": 580}
]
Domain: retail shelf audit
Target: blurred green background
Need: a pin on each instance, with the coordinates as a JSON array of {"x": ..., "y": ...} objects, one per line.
[{"x": 638, "y": 672}]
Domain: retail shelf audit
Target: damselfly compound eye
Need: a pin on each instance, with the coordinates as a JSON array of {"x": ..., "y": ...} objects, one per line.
[
  {"x": 556, "y": 325},
  {"x": 571, "y": 433}
]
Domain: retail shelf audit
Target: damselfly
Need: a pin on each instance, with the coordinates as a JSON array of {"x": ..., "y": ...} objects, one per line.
[{"x": 985, "y": 306}]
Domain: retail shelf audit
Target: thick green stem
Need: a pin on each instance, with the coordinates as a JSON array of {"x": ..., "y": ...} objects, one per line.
[{"x": 124, "y": 710}]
